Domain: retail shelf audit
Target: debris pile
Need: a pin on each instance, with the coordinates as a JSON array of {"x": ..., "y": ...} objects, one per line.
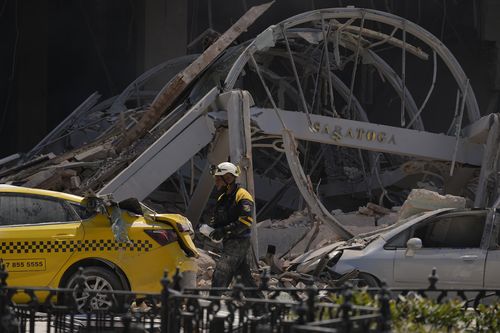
[
  {"x": 284, "y": 241},
  {"x": 206, "y": 266},
  {"x": 295, "y": 264},
  {"x": 301, "y": 232}
]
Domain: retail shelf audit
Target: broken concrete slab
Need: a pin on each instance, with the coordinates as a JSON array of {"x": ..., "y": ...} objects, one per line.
[
  {"x": 75, "y": 182},
  {"x": 71, "y": 164},
  {"x": 95, "y": 153},
  {"x": 377, "y": 208},
  {"x": 421, "y": 200},
  {"x": 33, "y": 162},
  {"x": 39, "y": 177}
]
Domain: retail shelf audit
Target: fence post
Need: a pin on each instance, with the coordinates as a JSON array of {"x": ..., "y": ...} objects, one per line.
[
  {"x": 385, "y": 309},
  {"x": 164, "y": 303},
  {"x": 177, "y": 280},
  {"x": 217, "y": 324},
  {"x": 346, "y": 308},
  {"x": 8, "y": 321},
  {"x": 238, "y": 288},
  {"x": 79, "y": 288},
  {"x": 264, "y": 280},
  {"x": 311, "y": 293},
  {"x": 301, "y": 313},
  {"x": 126, "y": 321}
]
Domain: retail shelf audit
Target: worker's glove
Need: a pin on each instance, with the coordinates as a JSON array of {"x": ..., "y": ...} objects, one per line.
[{"x": 217, "y": 234}]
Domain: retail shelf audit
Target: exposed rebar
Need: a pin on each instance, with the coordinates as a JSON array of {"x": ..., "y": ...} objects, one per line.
[
  {"x": 353, "y": 76},
  {"x": 296, "y": 75}
]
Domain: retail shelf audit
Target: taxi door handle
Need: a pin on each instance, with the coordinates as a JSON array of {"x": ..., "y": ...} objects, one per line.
[
  {"x": 468, "y": 257},
  {"x": 63, "y": 236}
]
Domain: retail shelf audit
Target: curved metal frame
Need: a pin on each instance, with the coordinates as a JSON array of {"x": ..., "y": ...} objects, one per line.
[{"x": 271, "y": 35}]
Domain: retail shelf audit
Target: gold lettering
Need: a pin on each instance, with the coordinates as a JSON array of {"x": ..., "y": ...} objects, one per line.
[
  {"x": 360, "y": 132},
  {"x": 336, "y": 136},
  {"x": 371, "y": 136},
  {"x": 326, "y": 129}
]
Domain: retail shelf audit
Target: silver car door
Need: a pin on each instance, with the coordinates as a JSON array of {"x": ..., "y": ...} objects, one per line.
[{"x": 451, "y": 243}]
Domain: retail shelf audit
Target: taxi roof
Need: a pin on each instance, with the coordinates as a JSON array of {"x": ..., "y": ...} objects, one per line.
[{"x": 4, "y": 188}]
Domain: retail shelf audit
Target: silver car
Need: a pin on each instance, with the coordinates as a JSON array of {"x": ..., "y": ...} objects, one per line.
[{"x": 462, "y": 244}]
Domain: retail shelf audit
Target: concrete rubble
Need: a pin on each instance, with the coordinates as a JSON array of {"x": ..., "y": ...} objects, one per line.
[
  {"x": 281, "y": 241},
  {"x": 206, "y": 266},
  {"x": 421, "y": 200},
  {"x": 300, "y": 234}
]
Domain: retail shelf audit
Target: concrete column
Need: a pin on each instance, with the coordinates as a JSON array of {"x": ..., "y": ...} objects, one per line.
[
  {"x": 237, "y": 104},
  {"x": 219, "y": 151}
]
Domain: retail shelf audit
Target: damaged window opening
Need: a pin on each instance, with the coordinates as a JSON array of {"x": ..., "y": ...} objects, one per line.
[
  {"x": 33, "y": 210},
  {"x": 83, "y": 212},
  {"x": 452, "y": 232}
]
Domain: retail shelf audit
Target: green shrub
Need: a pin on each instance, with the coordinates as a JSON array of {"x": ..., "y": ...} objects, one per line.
[{"x": 414, "y": 313}]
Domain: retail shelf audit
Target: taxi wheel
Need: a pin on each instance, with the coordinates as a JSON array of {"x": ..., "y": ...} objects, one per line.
[{"x": 97, "y": 279}]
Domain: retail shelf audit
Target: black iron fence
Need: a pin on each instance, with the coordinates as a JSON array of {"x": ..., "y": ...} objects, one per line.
[{"x": 205, "y": 310}]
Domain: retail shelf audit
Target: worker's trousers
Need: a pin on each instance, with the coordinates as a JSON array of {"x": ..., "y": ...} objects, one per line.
[{"x": 234, "y": 263}]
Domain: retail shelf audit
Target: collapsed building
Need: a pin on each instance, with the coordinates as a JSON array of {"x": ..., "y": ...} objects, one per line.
[{"x": 290, "y": 108}]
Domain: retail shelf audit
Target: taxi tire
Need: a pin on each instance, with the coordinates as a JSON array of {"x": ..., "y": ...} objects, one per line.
[{"x": 104, "y": 273}]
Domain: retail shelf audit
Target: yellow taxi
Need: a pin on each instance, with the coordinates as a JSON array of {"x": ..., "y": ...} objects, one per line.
[{"x": 45, "y": 236}]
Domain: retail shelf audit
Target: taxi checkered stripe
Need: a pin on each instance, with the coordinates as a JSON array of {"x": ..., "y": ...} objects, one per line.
[{"x": 87, "y": 245}]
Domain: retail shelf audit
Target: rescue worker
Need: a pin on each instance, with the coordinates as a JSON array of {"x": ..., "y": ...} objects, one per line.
[{"x": 232, "y": 221}]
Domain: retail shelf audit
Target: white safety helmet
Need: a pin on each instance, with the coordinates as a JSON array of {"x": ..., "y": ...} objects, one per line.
[{"x": 225, "y": 167}]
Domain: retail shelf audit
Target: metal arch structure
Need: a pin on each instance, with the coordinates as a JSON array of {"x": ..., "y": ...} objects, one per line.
[
  {"x": 268, "y": 42},
  {"x": 370, "y": 57},
  {"x": 264, "y": 45},
  {"x": 344, "y": 91},
  {"x": 268, "y": 39}
]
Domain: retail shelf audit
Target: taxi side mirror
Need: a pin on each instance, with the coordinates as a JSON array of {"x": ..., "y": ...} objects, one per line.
[{"x": 412, "y": 245}]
